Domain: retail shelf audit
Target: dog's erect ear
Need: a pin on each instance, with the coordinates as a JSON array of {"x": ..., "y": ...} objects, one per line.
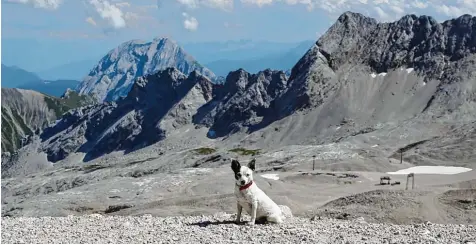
[
  {"x": 252, "y": 164},
  {"x": 235, "y": 165}
]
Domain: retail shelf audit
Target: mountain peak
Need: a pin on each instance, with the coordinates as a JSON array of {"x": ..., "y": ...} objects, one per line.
[
  {"x": 161, "y": 41},
  {"x": 113, "y": 77},
  {"x": 352, "y": 16},
  {"x": 164, "y": 39},
  {"x": 237, "y": 80}
]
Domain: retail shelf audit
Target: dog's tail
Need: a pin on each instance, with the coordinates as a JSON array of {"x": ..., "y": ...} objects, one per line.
[{"x": 286, "y": 211}]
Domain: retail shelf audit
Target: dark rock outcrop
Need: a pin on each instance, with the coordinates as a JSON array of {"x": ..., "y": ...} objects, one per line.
[{"x": 241, "y": 102}]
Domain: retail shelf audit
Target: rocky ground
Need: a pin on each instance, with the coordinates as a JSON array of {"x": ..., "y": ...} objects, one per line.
[{"x": 219, "y": 229}]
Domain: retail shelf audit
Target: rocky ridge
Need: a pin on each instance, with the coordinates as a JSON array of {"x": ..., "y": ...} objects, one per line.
[
  {"x": 156, "y": 105},
  {"x": 241, "y": 102},
  {"x": 439, "y": 52}
]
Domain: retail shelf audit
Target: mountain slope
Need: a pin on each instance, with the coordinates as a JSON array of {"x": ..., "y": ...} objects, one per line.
[
  {"x": 13, "y": 76},
  {"x": 26, "y": 112},
  {"x": 363, "y": 76},
  {"x": 113, "y": 77}
]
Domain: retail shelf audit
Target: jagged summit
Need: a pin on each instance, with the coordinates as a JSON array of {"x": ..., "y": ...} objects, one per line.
[
  {"x": 435, "y": 51},
  {"x": 157, "y": 40},
  {"x": 115, "y": 73},
  {"x": 355, "y": 38},
  {"x": 163, "y": 39},
  {"x": 350, "y": 16}
]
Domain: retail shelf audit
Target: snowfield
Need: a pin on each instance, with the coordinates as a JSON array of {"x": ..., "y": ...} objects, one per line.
[
  {"x": 432, "y": 170},
  {"x": 270, "y": 176}
]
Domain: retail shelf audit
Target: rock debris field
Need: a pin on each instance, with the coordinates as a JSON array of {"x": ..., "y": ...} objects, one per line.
[{"x": 219, "y": 228}]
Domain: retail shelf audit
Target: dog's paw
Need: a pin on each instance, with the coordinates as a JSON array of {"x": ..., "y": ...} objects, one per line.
[
  {"x": 251, "y": 223},
  {"x": 237, "y": 221}
]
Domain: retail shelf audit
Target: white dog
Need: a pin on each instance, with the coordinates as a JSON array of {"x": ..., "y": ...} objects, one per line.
[{"x": 252, "y": 199}]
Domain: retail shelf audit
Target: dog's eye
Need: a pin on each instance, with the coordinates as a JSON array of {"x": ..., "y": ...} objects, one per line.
[{"x": 247, "y": 175}]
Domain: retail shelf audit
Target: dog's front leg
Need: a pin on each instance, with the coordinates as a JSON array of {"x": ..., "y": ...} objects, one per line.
[
  {"x": 238, "y": 213},
  {"x": 254, "y": 207}
]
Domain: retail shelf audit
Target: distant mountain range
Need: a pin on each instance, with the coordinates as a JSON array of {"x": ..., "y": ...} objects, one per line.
[
  {"x": 14, "y": 77},
  {"x": 71, "y": 71},
  {"x": 278, "y": 60},
  {"x": 208, "y": 52}
]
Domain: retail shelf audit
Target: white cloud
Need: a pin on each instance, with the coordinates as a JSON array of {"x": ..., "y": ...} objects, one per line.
[
  {"x": 109, "y": 12},
  {"x": 457, "y": 8},
  {"x": 397, "y": 10},
  {"x": 380, "y": 1},
  {"x": 91, "y": 21},
  {"x": 189, "y": 3},
  {"x": 190, "y": 23},
  {"x": 123, "y": 4},
  {"x": 419, "y": 4},
  {"x": 382, "y": 9},
  {"x": 449, "y": 10},
  {"x": 46, "y": 4},
  {"x": 381, "y": 13},
  {"x": 261, "y": 3},
  {"x": 219, "y": 4}
]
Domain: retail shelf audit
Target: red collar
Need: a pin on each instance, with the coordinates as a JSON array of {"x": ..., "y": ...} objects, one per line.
[{"x": 246, "y": 186}]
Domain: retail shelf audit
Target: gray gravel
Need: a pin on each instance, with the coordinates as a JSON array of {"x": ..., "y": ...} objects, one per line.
[{"x": 218, "y": 229}]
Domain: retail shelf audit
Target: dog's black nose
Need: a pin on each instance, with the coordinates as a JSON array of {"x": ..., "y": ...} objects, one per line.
[{"x": 242, "y": 182}]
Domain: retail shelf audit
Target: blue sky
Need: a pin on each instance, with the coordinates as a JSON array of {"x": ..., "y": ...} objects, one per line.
[{"x": 53, "y": 32}]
